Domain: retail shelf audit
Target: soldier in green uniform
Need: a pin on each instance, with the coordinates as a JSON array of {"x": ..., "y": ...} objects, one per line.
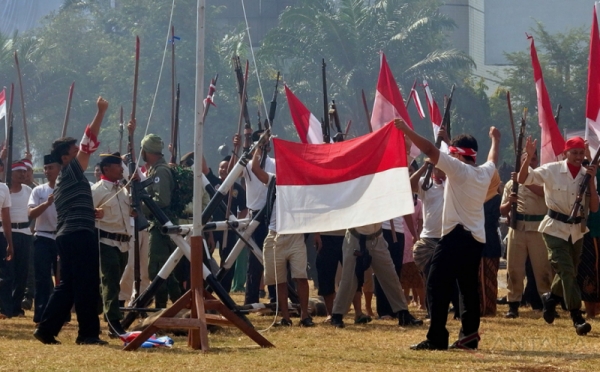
[{"x": 161, "y": 191}]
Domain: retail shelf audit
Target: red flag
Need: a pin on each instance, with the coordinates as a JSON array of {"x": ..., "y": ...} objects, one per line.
[
  {"x": 417, "y": 101},
  {"x": 209, "y": 100},
  {"x": 389, "y": 103},
  {"x": 553, "y": 143},
  {"x": 434, "y": 114},
  {"x": 307, "y": 125},
  {"x": 2, "y": 103},
  {"x": 323, "y": 188},
  {"x": 592, "y": 108}
]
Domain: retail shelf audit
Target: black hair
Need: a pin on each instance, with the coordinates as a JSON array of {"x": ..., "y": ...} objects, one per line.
[
  {"x": 61, "y": 147},
  {"x": 465, "y": 141},
  {"x": 227, "y": 158}
]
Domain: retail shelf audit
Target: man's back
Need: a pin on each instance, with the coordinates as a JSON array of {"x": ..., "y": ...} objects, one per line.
[{"x": 73, "y": 199}]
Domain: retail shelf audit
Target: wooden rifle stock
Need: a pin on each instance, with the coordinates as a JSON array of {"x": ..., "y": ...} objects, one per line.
[
  {"x": 519, "y": 152},
  {"x": 427, "y": 182},
  {"x": 325, "y": 118},
  {"x": 273, "y": 106},
  {"x": 583, "y": 186},
  {"x": 175, "y": 135},
  {"x": 364, "y": 99},
  {"x": 557, "y": 117},
  {"x": 9, "y": 137},
  {"x": 333, "y": 116},
  {"x": 68, "y": 110}
]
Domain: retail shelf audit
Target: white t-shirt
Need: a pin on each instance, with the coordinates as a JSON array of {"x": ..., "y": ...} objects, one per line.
[
  {"x": 47, "y": 220},
  {"x": 398, "y": 225},
  {"x": 19, "y": 212},
  {"x": 433, "y": 208},
  {"x": 4, "y": 198},
  {"x": 256, "y": 191},
  {"x": 418, "y": 215},
  {"x": 464, "y": 195}
]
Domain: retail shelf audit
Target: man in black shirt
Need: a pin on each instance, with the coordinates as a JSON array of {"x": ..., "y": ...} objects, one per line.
[{"x": 76, "y": 240}]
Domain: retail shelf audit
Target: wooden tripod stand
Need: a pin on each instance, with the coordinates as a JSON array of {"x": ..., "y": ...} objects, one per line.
[{"x": 198, "y": 300}]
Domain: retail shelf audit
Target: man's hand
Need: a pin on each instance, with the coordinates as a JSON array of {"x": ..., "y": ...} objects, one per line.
[
  {"x": 4, "y": 154},
  {"x": 513, "y": 198},
  {"x": 28, "y": 155},
  {"x": 102, "y": 104},
  {"x": 495, "y": 133},
  {"x": 237, "y": 140},
  {"x": 210, "y": 241},
  {"x": 443, "y": 134},
  {"x": 50, "y": 199},
  {"x": 9, "y": 253},
  {"x": 98, "y": 213},
  {"x": 400, "y": 124},
  {"x": 131, "y": 126},
  {"x": 530, "y": 147},
  {"x": 318, "y": 242},
  {"x": 591, "y": 170}
]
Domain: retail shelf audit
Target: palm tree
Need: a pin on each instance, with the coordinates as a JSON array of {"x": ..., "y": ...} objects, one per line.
[{"x": 349, "y": 34}]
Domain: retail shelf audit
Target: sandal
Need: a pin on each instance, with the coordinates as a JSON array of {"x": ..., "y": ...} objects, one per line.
[{"x": 363, "y": 319}]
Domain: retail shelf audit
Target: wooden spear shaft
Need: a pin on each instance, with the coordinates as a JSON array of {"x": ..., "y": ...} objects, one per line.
[
  {"x": 68, "y": 110},
  {"x": 22, "y": 101}
]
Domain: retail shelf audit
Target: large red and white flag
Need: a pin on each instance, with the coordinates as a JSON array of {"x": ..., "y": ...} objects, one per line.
[
  {"x": 342, "y": 185},
  {"x": 434, "y": 115},
  {"x": 592, "y": 107},
  {"x": 553, "y": 142},
  {"x": 307, "y": 125},
  {"x": 389, "y": 103},
  {"x": 2, "y": 103}
]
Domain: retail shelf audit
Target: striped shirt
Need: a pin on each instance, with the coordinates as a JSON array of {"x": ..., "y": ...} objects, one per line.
[{"x": 73, "y": 200}]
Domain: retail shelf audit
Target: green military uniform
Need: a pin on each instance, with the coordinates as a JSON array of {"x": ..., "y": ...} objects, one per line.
[{"x": 160, "y": 246}]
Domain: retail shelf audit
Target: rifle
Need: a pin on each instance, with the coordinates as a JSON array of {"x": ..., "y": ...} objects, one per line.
[
  {"x": 512, "y": 124},
  {"x": 259, "y": 119},
  {"x": 364, "y": 99},
  {"x": 140, "y": 221},
  {"x": 121, "y": 131},
  {"x": 68, "y": 111},
  {"x": 325, "y": 122},
  {"x": 175, "y": 134},
  {"x": 9, "y": 137},
  {"x": 427, "y": 182},
  {"x": 242, "y": 80},
  {"x": 557, "y": 117},
  {"x": 22, "y": 101},
  {"x": 577, "y": 207},
  {"x": 273, "y": 106},
  {"x": 519, "y": 150},
  {"x": 333, "y": 116}
]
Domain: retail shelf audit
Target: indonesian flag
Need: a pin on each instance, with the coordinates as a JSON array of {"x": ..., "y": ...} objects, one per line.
[
  {"x": 417, "y": 101},
  {"x": 346, "y": 184},
  {"x": 389, "y": 103},
  {"x": 592, "y": 108},
  {"x": 553, "y": 143},
  {"x": 307, "y": 125},
  {"x": 2, "y": 103},
  {"x": 434, "y": 114}
]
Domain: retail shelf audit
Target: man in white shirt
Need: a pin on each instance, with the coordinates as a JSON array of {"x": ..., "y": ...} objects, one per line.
[
  {"x": 6, "y": 254},
  {"x": 21, "y": 233},
  {"x": 45, "y": 252},
  {"x": 563, "y": 237},
  {"x": 458, "y": 253},
  {"x": 115, "y": 231}
]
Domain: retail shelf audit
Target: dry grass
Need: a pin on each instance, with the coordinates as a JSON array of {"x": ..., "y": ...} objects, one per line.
[{"x": 525, "y": 344}]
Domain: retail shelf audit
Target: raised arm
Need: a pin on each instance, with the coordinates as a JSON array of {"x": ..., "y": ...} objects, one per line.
[
  {"x": 256, "y": 169},
  {"x": 83, "y": 156},
  {"x": 530, "y": 147},
  {"x": 414, "y": 179},
  {"x": 423, "y": 144},
  {"x": 495, "y": 148}
]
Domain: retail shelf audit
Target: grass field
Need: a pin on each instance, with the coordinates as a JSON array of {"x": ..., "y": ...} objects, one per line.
[{"x": 523, "y": 344}]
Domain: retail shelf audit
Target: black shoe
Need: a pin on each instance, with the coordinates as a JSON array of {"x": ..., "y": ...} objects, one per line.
[
  {"x": 115, "y": 330},
  {"x": 336, "y": 321},
  {"x": 502, "y": 300},
  {"x": 549, "y": 312},
  {"x": 426, "y": 345},
  {"x": 467, "y": 343},
  {"x": 581, "y": 326},
  {"x": 26, "y": 304},
  {"x": 363, "y": 319},
  {"x": 283, "y": 323},
  {"x": 45, "y": 338},
  {"x": 262, "y": 294},
  {"x": 406, "y": 319},
  {"x": 90, "y": 341},
  {"x": 513, "y": 310},
  {"x": 307, "y": 322}
]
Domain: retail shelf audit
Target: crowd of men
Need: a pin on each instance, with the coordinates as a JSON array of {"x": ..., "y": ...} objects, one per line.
[{"x": 81, "y": 235}]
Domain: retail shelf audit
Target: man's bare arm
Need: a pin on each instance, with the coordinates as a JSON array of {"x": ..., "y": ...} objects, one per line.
[
  {"x": 423, "y": 144},
  {"x": 494, "y": 149},
  {"x": 414, "y": 179},
  {"x": 82, "y": 157}
]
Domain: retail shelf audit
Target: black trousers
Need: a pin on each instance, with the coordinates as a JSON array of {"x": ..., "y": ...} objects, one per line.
[
  {"x": 456, "y": 258},
  {"x": 45, "y": 253},
  {"x": 6, "y": 280},
  {"x": 397, "y": 254},
  {"x": 328, "y": 258},
  {"x": 223, "y": 253},
  {"x": 255, "y": 269},
  {"x": 79, "y": 285}
]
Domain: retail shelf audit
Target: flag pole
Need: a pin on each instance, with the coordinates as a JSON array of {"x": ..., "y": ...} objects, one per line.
[
  {"x": 68, "y": 110},
  {"x": 22, "y": 102},
  {"x": 199, "y": 127}
]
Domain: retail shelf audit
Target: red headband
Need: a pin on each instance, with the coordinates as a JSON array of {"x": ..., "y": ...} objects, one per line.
[
  {"x": 464, "y": 151},
  {"x": 19, "y": 166},
  {"x": 574, "y": 143}
]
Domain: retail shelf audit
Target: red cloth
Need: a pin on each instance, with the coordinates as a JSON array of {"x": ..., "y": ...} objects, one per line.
[
  {"x": 574, "y": 143},
  {"x": 573, "y": 169}
]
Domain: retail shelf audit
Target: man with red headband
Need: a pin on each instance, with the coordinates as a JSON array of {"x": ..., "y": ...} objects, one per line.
[
  {"x": 563, "y": 237},
  {"x": 458, "y": 253}
]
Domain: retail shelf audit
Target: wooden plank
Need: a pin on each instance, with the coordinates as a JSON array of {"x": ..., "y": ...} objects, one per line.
[{"x": 174, "y": 323}]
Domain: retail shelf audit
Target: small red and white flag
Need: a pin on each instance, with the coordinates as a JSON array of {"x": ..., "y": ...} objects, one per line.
[
  {"x": 209, "y": 100},
  {"x": 434, "y": 114},
  {"x": 389, "y": 103},
  {"x": 553, "y": 142},
  {"x": 417, "y": 101},
  {"x": 323, "y": 188},
  {"x": 2, "y": 103},
  {"x": 592, "y": 107},
  {"x": 307, "y": 125}
]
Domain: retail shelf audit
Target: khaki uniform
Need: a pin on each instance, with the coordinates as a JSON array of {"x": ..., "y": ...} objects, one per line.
[
  {"x": 525, "y": 240},
  {"x": 161, "y": 245}
]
